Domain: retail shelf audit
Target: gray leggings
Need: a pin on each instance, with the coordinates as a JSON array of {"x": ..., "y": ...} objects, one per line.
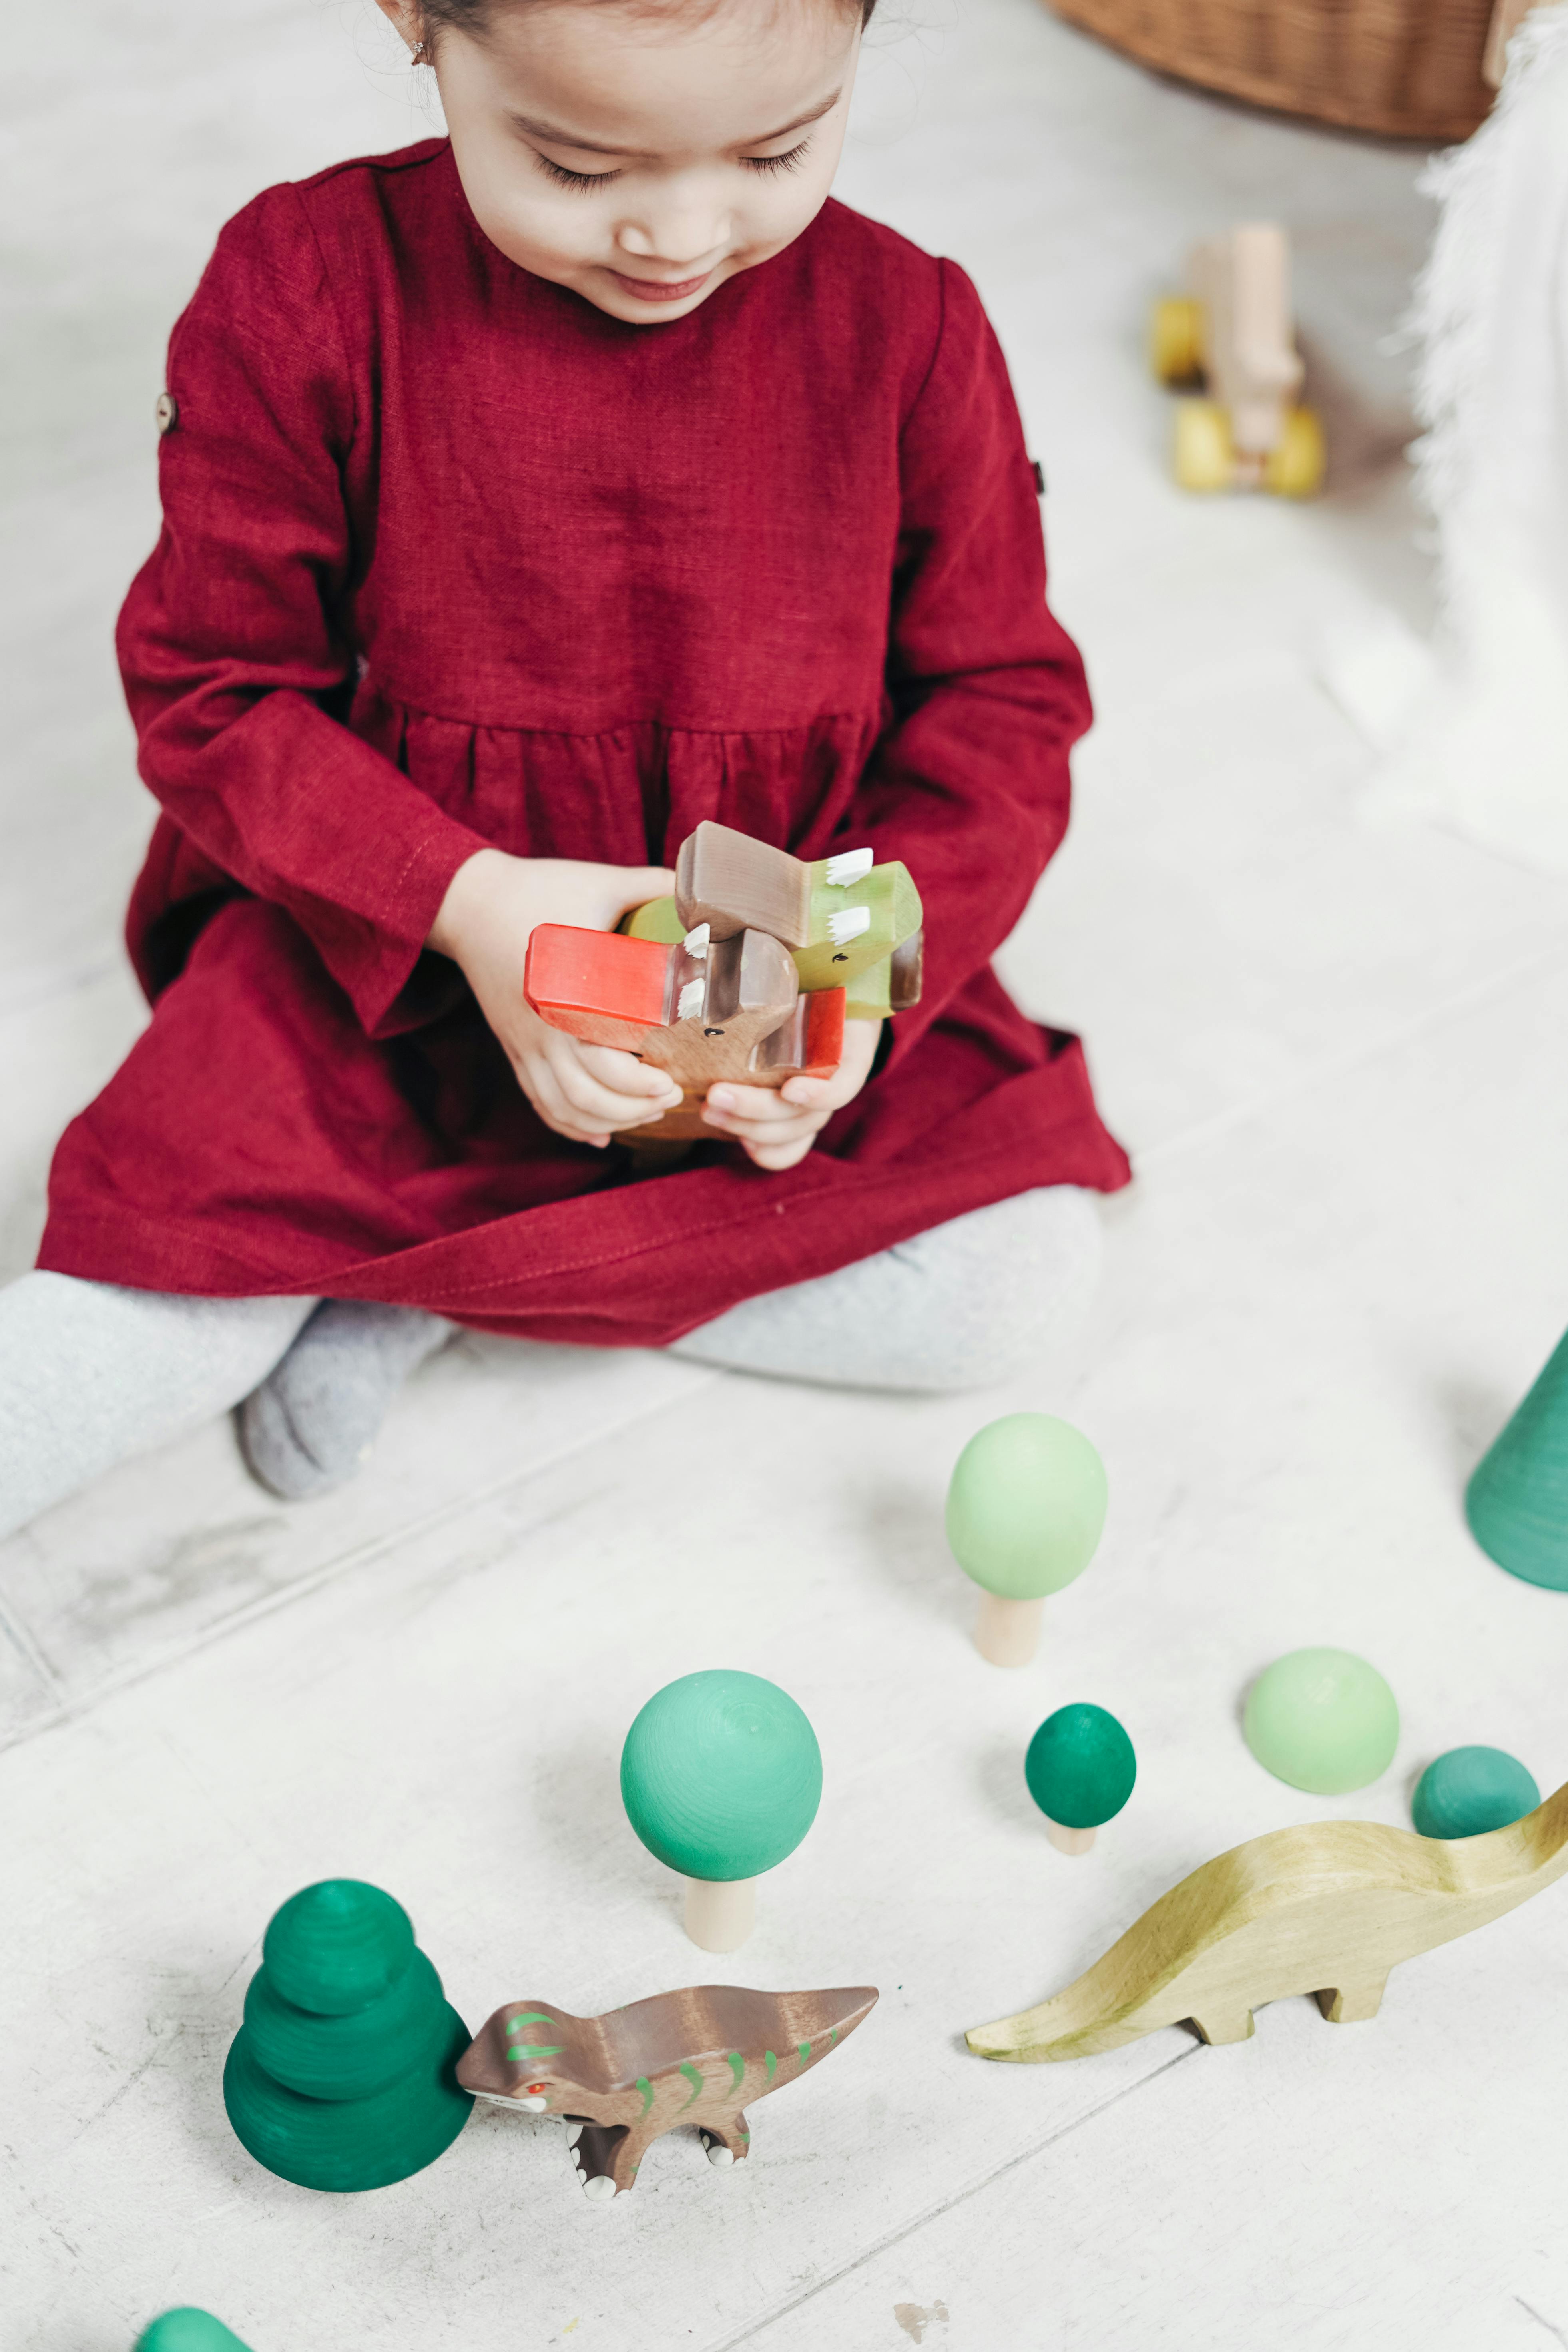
[{"x": 90, "y": 1373}]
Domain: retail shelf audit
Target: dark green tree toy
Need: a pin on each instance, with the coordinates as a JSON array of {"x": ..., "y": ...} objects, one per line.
[
  {"x": 1517, "y": 1502},
  {"x": 343, "y": 2074},
  {"x": 1081, "y": 1769}
]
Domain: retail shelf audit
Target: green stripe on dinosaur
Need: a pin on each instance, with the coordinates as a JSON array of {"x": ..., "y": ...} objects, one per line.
[
  {"x": 737, "y": 2070},
  {"x": 534, "y": 2017},
  {"x": 802, "y": 2051},
  {"x": 537, "y": 2050},
  {"x": 646, "y": 2087},
  {"x": 832, "y": 2035},
  {"x": 771, "y": 2062},
  {"x": 694, "y": 2076}
]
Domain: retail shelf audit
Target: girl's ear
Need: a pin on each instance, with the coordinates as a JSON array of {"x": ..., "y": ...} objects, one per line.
[{"x": 407, "y": 18}]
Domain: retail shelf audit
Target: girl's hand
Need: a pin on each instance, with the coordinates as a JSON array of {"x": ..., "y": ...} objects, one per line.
[
  {"x": 778, "y": 1127},
  {"x": 586, "y": 1093}
]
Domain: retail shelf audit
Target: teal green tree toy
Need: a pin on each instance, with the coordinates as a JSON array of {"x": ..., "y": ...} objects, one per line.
[
  {"x": 1470, "y": 1790},
  {"x": 188, "y": 2330},
  {"x": 721, "y": 1776},
  {"x": 343, "y": 2074},
  {"x": 1080, "y": 1768},
  {"x": 1517, "y": 1500},
  {"x": 1322, "y": 1720},
  {"x": 1024, "y": 1511}
]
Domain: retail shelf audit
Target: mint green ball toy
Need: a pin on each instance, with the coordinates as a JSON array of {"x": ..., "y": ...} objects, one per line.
[
  {"x": 1470, "y": 1790},
  {"x": 721, "y": 1775},
  {"x": 1322, "y": 1720},
  {"x": 1026, "y": 1505}
]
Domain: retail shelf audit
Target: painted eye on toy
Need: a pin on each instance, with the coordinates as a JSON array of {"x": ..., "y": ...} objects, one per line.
[{"x": 533, "y": 2088}]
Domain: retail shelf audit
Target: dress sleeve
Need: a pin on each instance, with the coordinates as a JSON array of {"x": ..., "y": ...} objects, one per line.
[
  {"x": 234, "y": 644},
  {"x": 969, "y": 783}
]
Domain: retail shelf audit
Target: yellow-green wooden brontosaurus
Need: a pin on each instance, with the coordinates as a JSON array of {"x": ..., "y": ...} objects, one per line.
[{"x": 1326, "y": 1909}]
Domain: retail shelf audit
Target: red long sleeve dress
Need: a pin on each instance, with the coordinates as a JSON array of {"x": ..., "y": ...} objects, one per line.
[{"x": 450, "y": 557}]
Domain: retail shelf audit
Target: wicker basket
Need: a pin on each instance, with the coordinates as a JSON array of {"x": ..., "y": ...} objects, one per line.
[{"x": 1407, "y": 68}]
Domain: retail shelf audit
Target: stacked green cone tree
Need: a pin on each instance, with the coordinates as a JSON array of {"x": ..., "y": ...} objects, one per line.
[
  {"x": 1517, "y": 1501},
  {"x": 343, "y": 2074}
]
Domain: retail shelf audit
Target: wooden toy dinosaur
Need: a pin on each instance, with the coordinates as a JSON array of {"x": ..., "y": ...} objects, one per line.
[
  {"x": 706, "y": 1010},
  {"x": 626, "y": 2078},
  {"x": 1328, "y": 1910}
]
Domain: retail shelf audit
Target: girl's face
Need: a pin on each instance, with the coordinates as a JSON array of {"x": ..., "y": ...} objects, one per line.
[{"x": 640, "y": 155}]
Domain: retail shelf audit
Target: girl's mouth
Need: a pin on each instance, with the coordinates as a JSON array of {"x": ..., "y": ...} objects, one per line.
[{"x": 661, "y": 289}]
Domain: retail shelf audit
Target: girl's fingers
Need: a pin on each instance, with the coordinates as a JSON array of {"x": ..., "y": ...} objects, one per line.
[
  {"x": 767, "y": 1137},
  {"x": 596, "y": 1105},
  {"x": 777, "y": 1156},
  {"x": 750, "y": 1104},
  {"x": 622, "y": 1073},
  {"x": 538, "y": 1082}
]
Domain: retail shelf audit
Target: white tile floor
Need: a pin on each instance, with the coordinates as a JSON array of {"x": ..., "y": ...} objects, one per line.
[{"x": 1336, "y": 1054}]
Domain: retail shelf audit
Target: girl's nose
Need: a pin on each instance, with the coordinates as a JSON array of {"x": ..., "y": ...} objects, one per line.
[{"x": 680, "y": 234}]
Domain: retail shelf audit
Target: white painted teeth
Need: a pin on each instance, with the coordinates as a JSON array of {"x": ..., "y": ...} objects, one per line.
[
  {"x": 848, "y": 924},
  {"x": 691, "y": 1002},
  {"x": 534, "y": 2104},
  {"x": 717, "y": 2154},
  {"x": 849, "y": 866},
  {"x": 601, "y": 2188},
  {"x": 696, "y": 941}
]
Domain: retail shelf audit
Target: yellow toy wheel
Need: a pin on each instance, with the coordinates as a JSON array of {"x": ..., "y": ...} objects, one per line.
[
  {"x": 1204, "y": 457},
  {"x": 1177, "y": 338},
  {"x": 1295, "y": 470}
]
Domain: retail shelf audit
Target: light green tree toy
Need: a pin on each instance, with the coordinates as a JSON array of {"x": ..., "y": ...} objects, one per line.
[
  {"x": 721, "y": 1776},
  {"x": 1322, "y": 1720},
  {"x": 1024, "y": 1513}
]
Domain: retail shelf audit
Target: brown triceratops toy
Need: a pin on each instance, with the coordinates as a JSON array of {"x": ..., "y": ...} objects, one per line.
[{"x": 623, "y": 2079}]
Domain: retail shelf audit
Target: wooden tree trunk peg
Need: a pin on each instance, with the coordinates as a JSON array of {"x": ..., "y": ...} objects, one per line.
[
  {"x": 1007, "y": 1632},
  {"x": 720, "y": 1912}
]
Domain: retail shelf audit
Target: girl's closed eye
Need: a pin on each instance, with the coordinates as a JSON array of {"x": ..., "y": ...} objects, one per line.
[
  {"x": 787, "y": 163},
  {"x": 565, "y": 179}
]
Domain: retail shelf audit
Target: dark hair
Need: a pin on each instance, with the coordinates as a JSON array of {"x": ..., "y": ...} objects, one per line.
[{"x": 472, "y": 16}]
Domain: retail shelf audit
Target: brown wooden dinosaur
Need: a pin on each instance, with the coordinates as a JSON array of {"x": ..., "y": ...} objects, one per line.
[{"x": 622, "y": 2080}]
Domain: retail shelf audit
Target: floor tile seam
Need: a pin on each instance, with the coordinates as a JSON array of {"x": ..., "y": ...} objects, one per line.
[
  {"x": 754, "y": 2329},
  {"x": 15, "y": 1630},
  {"x": 70, "y": 1711},
  {"x": 1169, "y": 1148}
]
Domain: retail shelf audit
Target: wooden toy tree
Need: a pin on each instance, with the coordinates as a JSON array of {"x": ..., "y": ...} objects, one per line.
[
  {"x": 721, "y": 1776},
  {"x": 698, "y": 2057},
  {"x": 1024, "y": 1512},
  {"x": 1080, "y": 1768},
  {"x": 188, "y": 2330},
  {"x": 1322, "y": 1720},
  {"x": 1470, "y": 1790},
  {"x": 343, "y": 2074},
  {"x": 1517, "y": 1501}
]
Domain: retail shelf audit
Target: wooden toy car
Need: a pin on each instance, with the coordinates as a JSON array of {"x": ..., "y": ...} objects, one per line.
[{"x": 1234, "y": 336}]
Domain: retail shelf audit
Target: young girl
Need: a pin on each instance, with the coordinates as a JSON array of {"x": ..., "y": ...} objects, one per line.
[{"x": 530, "y": 495}]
